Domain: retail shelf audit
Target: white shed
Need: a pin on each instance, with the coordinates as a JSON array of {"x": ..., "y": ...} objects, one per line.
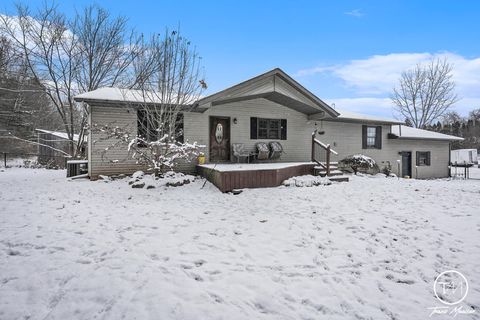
[{"x": 464, "y": 155}]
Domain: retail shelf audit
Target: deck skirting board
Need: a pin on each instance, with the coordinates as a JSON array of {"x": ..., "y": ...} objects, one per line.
[{"x": 227, "y": 181}]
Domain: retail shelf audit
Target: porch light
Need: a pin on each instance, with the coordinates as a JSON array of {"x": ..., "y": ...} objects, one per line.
[{"x": 235, "y": 120}]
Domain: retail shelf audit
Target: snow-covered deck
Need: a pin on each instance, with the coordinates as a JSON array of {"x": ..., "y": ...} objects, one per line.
[{"x": 230, "y": 176}]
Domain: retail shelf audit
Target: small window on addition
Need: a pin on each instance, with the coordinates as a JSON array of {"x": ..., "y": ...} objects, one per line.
[
  {"x": 423, "y": 158},
  {"x": 371, "y": 137}
]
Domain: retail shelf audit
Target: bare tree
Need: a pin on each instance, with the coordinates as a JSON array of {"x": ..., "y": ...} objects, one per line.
[
  {"x": 425, "y": 93},
  {"x": 169, "y": 80},
  {"x": 23, "y": 103},
  {"x": 48, "y": 47},
  {"x": 106, "y": 50},
  {"x": 71, "y": 56}
]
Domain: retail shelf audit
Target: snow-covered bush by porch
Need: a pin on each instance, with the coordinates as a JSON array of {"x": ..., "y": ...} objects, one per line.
[
  {"x": 162, "y": 154},
  {"x": 306, "y": 181},
  {"x": 169, "y": 179},
  {"x": 358, "y": 163}
]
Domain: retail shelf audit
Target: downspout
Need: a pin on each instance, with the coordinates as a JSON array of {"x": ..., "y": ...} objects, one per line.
[{"x": 449, "y": 159}]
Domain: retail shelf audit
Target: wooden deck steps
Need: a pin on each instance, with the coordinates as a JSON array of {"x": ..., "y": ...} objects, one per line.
[{"x": 335, "y": 174}]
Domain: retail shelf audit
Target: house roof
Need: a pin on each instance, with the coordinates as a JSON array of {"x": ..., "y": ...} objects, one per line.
[
  {"x": 348, "y": 115},
  {"x": 405, "y": 132},
  {"x": 125, "y": 95},
  {"x": 274, "y": 85},
  {"x": 58, "y": 134}
]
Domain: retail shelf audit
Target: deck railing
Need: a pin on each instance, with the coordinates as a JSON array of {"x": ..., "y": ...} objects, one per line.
[{"x": 326, "y": 147}]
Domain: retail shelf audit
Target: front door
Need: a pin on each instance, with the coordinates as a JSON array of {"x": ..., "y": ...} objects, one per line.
[
  {"x": 219, "y": 139},
  {"x": 406, "y": 164}
]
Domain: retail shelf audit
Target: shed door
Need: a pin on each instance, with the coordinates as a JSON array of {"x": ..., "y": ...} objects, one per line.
[
  {"x": 219, "y": 139},
  {"x": 406, "y": 164}
]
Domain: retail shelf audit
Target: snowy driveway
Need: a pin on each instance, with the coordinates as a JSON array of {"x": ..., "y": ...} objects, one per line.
[{"x": 367, "y": 249}]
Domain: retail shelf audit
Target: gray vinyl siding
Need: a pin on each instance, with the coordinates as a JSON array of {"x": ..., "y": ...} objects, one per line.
[
  {"x": 117, "y": 159},
  {"x": 196, "y": 126},
  {"x": 344, "y": 137}
]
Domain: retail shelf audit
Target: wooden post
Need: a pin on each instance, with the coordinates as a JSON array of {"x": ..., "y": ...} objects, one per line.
[
  {"x": 328, "y": 160},
  {"x": 314, "y": 133},
  {"x": 5, "y": 159}
]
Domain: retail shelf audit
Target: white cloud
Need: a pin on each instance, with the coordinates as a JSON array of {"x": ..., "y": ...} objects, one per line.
[
  {"x": 366, "y": 105},
  {"x": 375, "y": 77},
  {"x": 355, "y": 13}
]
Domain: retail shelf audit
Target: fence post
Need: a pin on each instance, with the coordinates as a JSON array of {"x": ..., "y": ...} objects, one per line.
[{"x": 5, "y": 159}]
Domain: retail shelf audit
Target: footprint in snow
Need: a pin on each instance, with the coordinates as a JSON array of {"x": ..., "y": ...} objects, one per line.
[
  {"x": 216, "y": 297},
  {"x": 196, "y": 277},
  {"x": 83, "y": 261},
  {"x": 199, "y": 263},
  {"x": 12, "y": 252}
]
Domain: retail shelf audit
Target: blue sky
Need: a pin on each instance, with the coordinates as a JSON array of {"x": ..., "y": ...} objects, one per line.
[{"x": 347, "y": 52}]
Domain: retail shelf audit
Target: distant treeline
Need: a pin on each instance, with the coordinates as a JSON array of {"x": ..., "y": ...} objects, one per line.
[{"x": 465, "y": 127}]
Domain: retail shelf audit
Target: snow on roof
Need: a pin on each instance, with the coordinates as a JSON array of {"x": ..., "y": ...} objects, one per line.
[
  {"x": 406, "y": 132},
  {"x": 348, "y": 115},
  {"x": 126, "y": 95},
  {"x": 58, "y": 134}
]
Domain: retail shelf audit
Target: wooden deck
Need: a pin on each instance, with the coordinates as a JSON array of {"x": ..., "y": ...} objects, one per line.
[{"x": 228, "y": 177}]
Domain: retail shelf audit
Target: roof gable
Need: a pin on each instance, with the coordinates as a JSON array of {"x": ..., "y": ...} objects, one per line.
[{"x": 274, "y": 85}]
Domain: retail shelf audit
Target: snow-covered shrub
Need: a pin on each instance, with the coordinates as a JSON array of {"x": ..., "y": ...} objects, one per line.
[
  {"x": 169, "y": 179},
  {"x": 359, "y": 163},
  {"x": 157, "y": 154},
  {"x": 387, "y": 169},
  {"x": 306, "y": 181}
]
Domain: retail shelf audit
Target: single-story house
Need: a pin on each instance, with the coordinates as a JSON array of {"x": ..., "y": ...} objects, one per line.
[{"x": 270, "y": 107}]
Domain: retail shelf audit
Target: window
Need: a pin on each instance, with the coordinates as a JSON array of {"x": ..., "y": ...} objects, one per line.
[
  {"x": 268, "y": 129},
  {"x": 423, "y": 158},
  {"x": 371, "y": 137},
  {"x": 148, "y": 126},
  {"x": 275, "y": 129}
]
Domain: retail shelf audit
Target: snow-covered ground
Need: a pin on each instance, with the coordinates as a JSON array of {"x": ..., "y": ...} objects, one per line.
[{"x": 367, "y": 249}]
